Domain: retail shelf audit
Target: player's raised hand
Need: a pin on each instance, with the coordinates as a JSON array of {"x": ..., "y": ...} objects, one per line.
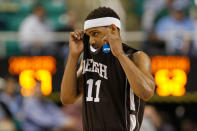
[
  {"x": 114, "y": 41},
  {"x": 76, "y": 43}
]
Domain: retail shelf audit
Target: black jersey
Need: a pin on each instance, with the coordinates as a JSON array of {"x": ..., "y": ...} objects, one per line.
[{"x": 109, "y": 103}]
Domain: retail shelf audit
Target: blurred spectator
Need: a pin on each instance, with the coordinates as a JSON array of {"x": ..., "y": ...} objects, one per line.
[
  {"x": 7, "y": 125},
  {"x": 147, "y": 125},
  {"x": 193, "y": 13},
  {"x": 176, "y": 29},
  {"x": 10, "y": 101},
  {"x": 166, "y": 124},
  {"x": 164, "y": 11},
  {"x": 188, "y": 125},
  {"x": 70, "y": 25},
  {"x": 2, "y": 83},
  {"x": 75, "y": 112},
  {"x": 35, "y": 34},
  {"x": 6, "y": 122},
  {"x": 155, "y": 120},
  {"x": 6, "y": 119},
  {"x": 71, "y": 22},
  {"x": 10, "y": 96},
  {"x": 155, "y": 10},
  {"x": 151, "y": 9},
  {"x": 152, "y": 117},
  {"x": 2, "y": 111},
  {"x": 41, "y": 114},
  {"x": 153, "y": 46}
]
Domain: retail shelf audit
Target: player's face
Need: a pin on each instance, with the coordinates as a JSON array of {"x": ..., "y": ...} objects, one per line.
[
  {"x": 11, "y": 86},
  {"x": 96, "y": 35},
  {"x": 40, "y": 12}
]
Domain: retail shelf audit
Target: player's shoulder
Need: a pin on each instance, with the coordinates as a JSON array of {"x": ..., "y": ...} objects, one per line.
[
  {"x": 132, "y": 51},
  {"x": 140, "y": 54},
  {"x": 141, "y": 58},
  {"x": 134, "y": 54},
  {"x": 128, "y": 49}
]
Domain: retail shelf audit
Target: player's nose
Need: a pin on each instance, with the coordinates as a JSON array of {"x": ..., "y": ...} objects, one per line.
[{"x": 91, "y": 41}]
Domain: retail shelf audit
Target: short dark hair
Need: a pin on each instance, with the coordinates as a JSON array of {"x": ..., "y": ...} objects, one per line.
[
  {"x": 38, "y": 6},
  {"x": 102, "y": 12}
]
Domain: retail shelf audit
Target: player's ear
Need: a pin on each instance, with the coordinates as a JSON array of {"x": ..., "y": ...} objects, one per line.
[{"x": 113, "y": 29}]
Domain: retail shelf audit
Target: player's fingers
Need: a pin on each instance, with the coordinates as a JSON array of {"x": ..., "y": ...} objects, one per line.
[
  {"x": 75, "y": 35},
  {"x": 79, "y": 33},
  {"x": 72, "y": 34}
]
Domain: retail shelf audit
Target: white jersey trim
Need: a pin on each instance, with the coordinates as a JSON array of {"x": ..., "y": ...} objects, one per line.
[{"x": 132, "y": 107}]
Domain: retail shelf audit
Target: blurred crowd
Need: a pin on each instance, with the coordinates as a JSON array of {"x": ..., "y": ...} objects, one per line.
[
  {"x": 170, "y": 27},
  {"x": 36, "y": 34},
  {"x": 36, "y": 31},
  {"x": 36, "y": 112},
  {"x": 160, "y": 120}
]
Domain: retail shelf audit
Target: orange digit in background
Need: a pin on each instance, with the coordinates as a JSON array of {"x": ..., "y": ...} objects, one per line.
[
  {"x": 46, "y": 81},
  {"x": 170, "y": 82},
  {"x": 32, "y": 68},
  {"x": 27, "y": 82}
]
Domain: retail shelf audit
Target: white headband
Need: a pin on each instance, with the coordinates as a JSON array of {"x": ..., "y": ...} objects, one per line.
[{"x": 104, "y": 21}]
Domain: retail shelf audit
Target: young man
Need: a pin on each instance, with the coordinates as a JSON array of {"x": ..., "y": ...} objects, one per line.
[{"x": 114, "y": 85}]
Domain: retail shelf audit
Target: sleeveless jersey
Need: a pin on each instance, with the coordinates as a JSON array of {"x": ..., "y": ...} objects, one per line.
[{"x": 109, "y": 103}]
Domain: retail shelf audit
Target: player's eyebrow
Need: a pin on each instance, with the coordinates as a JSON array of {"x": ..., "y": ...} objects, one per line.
[{"x": 92, "y": 31}]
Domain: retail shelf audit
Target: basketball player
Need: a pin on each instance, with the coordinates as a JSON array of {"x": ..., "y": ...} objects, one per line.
[{"x": 114, "y": 85}]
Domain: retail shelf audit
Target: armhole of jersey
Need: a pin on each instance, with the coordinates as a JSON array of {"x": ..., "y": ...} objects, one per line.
[{"x": 130, "y": 51}]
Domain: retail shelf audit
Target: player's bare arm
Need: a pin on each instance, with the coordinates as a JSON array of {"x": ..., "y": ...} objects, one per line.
[
  {"x": 143, "y": 64},
  {"x": 71, "y": 86},
  {"x": 137, "y": 70}
]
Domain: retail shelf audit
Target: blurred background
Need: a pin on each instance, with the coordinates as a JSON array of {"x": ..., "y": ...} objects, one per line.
[{"x": 34, "y": 38}]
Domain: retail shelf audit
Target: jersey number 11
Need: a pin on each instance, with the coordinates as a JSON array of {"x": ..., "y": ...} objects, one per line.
[{"x": 90, "y": 83}]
